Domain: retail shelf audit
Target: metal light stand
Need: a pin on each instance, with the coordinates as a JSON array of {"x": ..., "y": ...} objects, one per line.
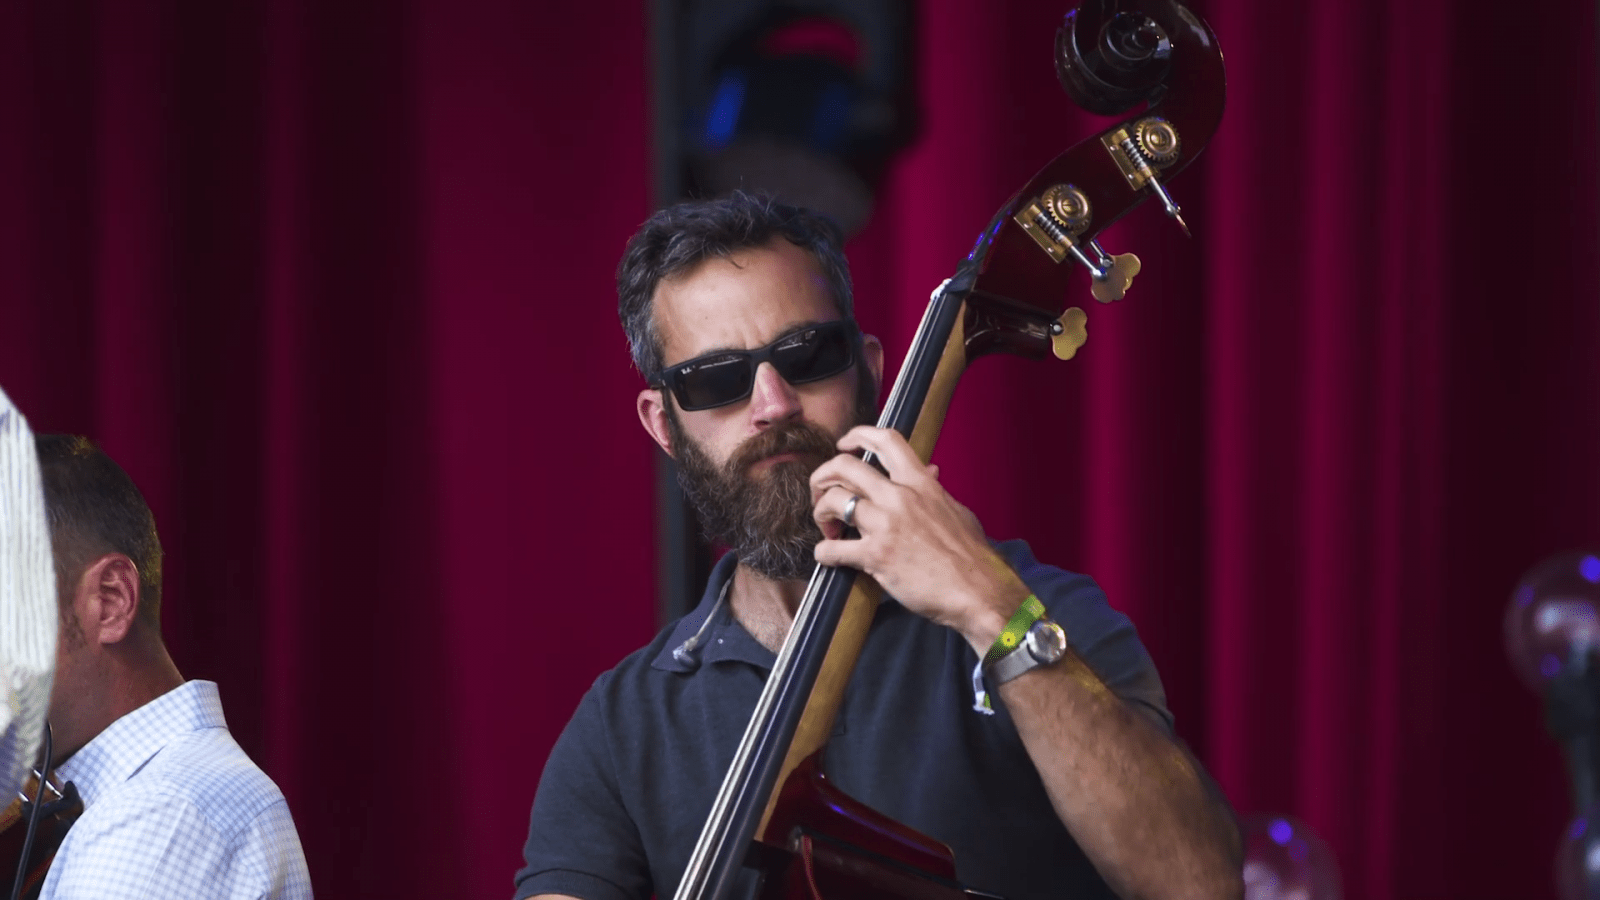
[{"x": 1572, "y": 715}]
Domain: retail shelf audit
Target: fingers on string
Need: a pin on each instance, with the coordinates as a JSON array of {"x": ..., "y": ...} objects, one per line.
[
  {"x": 847, "y": 472},
  {"x": 891, "y": 449}
]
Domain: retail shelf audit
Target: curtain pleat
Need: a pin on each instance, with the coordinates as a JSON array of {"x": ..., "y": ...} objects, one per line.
[{"x": 334, "y": 284}]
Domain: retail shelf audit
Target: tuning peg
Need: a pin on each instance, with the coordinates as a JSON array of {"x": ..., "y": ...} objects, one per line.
[
  {"x": 1056, "y": 218},
  {"x": 1111, "y": 281},
  {"x": 1068, "y": 333}
]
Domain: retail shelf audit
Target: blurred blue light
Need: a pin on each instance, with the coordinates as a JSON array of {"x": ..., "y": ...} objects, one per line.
[
  {"x": 1589, "y": 568},
  {"x": 831, "y": 120},
  {"x": 1524, "y": 595},
  {"x": 1549, "y": 665},
  {"x": 1579, "y": 826},
  {"x": 726, "y": 104},
  {"x": 1280, "y": 831}
]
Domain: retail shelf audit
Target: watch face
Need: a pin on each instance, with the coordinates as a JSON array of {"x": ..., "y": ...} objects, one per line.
[{"x": 1046, "y": 642}]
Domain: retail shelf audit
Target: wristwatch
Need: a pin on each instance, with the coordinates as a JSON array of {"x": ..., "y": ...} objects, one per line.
[{"x": 1044, "y": 644}]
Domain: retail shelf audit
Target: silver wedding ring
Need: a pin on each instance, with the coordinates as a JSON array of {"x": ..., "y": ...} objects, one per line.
[{"x": 849, "y": 516}]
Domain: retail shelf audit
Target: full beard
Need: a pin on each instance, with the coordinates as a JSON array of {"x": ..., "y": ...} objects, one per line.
[{"x": 765, "y": 518}]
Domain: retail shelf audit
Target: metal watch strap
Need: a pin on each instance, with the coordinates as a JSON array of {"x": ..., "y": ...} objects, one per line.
[{"x": 1023, "y": 658}]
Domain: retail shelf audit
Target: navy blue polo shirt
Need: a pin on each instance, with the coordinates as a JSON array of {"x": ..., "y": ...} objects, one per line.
[{"x": 632, "y": 778}]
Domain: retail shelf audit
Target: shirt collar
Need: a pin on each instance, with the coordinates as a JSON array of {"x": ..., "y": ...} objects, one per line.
[
  {"x": 119, "y": 752},
  {"x": 724, "y": 639}
]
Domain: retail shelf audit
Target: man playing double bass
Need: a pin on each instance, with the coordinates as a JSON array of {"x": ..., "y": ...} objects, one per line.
[{"x": 1049, "y": 777}]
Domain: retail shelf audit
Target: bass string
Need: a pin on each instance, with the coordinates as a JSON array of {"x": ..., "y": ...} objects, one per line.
[{"x": 715, "y": 849}]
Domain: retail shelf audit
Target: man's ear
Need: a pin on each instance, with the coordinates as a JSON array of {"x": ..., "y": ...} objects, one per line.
[
  {"x": 872, "y": 349},
  {"x": 109, "y": 597},
  {"x": 653, "y": 416}
]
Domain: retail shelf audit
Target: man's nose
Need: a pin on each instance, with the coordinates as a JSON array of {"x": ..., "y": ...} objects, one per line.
[{"x": 772, "y": 400}]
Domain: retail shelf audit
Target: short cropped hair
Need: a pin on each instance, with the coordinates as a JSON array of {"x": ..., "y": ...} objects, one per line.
[
  {"x": 676, "y": 239},
  {"x": 95, "y": 509}
]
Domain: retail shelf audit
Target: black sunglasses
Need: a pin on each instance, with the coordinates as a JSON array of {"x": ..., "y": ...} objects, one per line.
[{"x": 727, "y": 376}]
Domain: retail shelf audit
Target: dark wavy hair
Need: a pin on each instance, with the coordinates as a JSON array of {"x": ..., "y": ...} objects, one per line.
[
  {"x": 676, "y": 239},
  {"x": 94, "y": 509}
]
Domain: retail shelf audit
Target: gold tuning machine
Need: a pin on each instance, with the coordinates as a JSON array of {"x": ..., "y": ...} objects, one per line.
[
  {"x": 1056, "y": 219},
  {"x": 1151, "y": 146},
  {"x": 1068, "y": 333}
]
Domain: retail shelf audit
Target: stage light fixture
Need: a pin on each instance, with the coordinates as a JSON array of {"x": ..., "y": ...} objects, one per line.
[{"x": 807, "y": 101}]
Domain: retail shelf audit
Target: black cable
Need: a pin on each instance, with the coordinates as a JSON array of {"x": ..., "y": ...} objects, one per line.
[{"x": 33, "y": 817}]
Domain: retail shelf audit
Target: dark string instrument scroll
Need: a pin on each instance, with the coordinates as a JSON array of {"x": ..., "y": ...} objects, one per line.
[
  {"x": 776, "y": 811},
  {"x": 33, "y": 826}
]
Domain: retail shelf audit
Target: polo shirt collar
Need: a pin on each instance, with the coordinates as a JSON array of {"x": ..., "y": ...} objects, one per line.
[{"x": 724, "y": 639}]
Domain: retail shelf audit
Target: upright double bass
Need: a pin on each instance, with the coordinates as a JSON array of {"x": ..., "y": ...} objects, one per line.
[{"x": 776, "y": 810}]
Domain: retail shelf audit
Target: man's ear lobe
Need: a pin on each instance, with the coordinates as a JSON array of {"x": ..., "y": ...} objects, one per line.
[
  {"x": 653, "y": 416},
  {"x": 113, "y": 582}
]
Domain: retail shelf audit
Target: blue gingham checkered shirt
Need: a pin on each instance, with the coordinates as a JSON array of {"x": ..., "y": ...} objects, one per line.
[{"x": 174, "y": 809}]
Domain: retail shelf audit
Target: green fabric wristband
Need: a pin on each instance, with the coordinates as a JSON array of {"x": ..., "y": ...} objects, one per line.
[{"x": 1011, "y": 636}]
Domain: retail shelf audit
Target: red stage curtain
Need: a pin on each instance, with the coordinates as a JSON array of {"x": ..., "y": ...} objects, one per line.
[{"x": 333, "y": 282}]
